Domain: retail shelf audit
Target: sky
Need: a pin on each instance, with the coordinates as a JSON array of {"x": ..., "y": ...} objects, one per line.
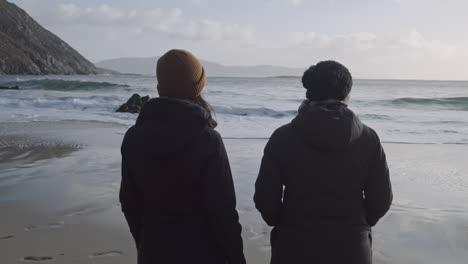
[{"x": 379, "y": 39}]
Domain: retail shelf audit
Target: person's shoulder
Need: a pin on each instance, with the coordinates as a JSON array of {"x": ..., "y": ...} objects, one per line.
[
  {"x": 211, "y": 138},
  {"x": 127, "y": 139},
  {"x": 279, "y": 137},
  {"x": 281, "y": 132},
  {"x": 212, "y": 134},
  {"x": 370, "y": 138},
  {"x": 370, "y": 133}
]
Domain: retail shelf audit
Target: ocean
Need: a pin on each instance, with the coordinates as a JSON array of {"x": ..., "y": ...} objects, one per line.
[{"x": 427, "y": 112}]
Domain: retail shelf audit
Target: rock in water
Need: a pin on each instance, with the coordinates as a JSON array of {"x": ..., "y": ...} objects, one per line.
[
  {"x": 28, "y": 48},
  {"x": 134, "y": 104}
]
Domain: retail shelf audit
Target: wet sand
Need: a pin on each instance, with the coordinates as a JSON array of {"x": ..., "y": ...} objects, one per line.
[{"x": 59, "y": 185}]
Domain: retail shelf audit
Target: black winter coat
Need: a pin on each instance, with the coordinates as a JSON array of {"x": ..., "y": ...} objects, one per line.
[
  {"x": 177, "y": 191},
  {"x": 323, "y": 183}
]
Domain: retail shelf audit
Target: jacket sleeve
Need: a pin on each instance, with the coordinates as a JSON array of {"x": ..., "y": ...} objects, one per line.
[
  {"x": 219, "y": 203},
  {"x": 268, "y": 187},
  {"x": 378, "y": 194},
  {"x": 132, "y": 204}
]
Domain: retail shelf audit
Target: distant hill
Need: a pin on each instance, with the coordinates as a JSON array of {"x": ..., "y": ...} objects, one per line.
[
  {"x": 28, "y": 48},
  {"x": 147, "y": 66}
]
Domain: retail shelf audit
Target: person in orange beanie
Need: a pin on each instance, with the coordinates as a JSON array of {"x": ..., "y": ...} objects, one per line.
[{"x": 177, "y": 192}]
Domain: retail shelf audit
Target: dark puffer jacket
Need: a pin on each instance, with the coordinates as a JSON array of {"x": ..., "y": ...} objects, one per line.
[
  {"x": 336, "y": 186},
  {"x": 177, "y": 191}
]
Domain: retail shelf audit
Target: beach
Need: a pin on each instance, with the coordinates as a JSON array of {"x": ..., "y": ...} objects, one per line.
[
  {"x": 59, "y": 184},
  {"x": 75, "y": 75}
]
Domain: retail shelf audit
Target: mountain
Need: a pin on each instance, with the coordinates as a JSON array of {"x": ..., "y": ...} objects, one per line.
[
  {"x": 147, "y": 66},
  {"x": 28, "y": 48}
]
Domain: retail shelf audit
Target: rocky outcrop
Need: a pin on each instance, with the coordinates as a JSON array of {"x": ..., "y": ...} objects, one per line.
[
  {"x": 134, "y": 104},
  {"x": 28, "y": 48}
]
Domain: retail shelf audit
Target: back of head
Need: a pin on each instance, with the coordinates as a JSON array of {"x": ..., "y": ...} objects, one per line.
[
  {"x": 180, "y": 74},
  {"x": 327, "y": 80}
]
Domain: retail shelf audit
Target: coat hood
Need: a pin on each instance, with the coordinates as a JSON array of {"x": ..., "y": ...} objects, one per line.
[
  {"x": 327, "y": 125},
  {"x": 169, "y": 124}
]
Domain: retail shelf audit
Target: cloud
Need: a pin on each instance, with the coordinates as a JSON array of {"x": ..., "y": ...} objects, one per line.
[
  {"x": 409, "y": 43},
  {"x": 211, "y": 30},
  {"x": 362, "y": 40},
  {"x": 105, "y": 16},
  {"x": 101, "y": 15},
  {"x": 373, "y": 55},
  {"x": 415, "y": 42},
  {"x": 409, "y": 1},
  {"x": 199, "y": 2},
  {"x": 173, "y": 23},
  {"x": 295, "y": 2}
]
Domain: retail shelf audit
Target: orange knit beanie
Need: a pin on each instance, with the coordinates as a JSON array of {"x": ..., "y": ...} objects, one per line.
[{"x": 180, "y": 74}]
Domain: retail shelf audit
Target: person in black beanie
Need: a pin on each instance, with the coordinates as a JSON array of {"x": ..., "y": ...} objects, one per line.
[{"x": 324, "y": 180}]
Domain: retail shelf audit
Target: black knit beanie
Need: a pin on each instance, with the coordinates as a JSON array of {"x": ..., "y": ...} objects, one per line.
[{"x": 327, "y": 80}]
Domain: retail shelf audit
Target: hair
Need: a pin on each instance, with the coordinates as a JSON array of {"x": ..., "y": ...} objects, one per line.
[
  {"x": 327, "y": 80},
  {"x": 205, "y": 105}
]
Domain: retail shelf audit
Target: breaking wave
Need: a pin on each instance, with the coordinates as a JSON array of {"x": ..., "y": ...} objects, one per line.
[
  {"x": 458, "y": 103},
  {"x": 260, "y": 111}
]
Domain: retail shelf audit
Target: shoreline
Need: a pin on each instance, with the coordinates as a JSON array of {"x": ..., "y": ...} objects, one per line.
[
  {"x": 126, "y": 126},
  {"x": 59, "y": 189}
]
